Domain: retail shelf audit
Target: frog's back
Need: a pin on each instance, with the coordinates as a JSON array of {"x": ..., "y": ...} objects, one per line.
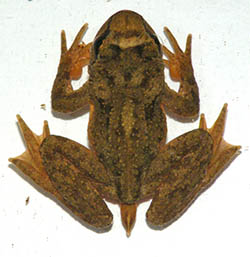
[{"x": 127, "y": 124}]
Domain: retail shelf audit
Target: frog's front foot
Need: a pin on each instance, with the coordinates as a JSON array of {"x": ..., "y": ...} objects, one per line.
[
  {"x": 77, "y": 56},
  {"x": 179, "y": 63}
]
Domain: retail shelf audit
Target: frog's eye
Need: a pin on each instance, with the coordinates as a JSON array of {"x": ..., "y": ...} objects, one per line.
[
  {"x": 156, "y": 41},
  {"x": 98, "y": 42},
  {"x": 152, "y": 35}
]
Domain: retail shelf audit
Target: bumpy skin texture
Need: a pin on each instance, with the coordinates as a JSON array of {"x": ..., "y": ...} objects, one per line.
[{"x": 129, "y": 161}]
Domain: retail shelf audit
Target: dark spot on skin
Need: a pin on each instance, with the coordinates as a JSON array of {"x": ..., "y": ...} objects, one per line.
[
  {"x": 127, "y": 75},
  {"x": 66, "y": 75},
  {"x": 149, "y": 110},
  {"x": 191, "y": 80},
  {"x": 139, "y": 50}
]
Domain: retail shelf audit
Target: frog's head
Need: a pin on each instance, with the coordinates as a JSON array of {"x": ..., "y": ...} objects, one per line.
[{"x": 125, "y": 29}]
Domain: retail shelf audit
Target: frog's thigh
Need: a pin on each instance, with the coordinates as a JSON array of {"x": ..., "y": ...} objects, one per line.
[
  {"x": 70, "y": 167},
  {"x": 179, "y": 170}
]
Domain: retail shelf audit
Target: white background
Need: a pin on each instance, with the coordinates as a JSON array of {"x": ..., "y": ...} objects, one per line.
[{"x": 218, "y": 223}]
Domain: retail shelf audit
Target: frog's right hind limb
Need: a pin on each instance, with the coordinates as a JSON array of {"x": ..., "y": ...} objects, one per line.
[{"x": 186, "y": 167}]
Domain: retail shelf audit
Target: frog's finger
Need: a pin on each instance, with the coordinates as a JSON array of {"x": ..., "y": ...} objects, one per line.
[
  {"x": 166, "y": 63},
  {"x": 63, "y": 43},
  {"x": 188, "y": 45},
  {"x": 173, "y": 41},
  {"x": 74, "y": 172},
  {"x": 79, "y": 36},
  {"x": 167, "y": 52},
  {"x": 176, "y": 173}
]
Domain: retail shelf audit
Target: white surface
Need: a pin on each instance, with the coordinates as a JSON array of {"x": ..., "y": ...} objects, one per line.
[{"x": 217, "y": 224}]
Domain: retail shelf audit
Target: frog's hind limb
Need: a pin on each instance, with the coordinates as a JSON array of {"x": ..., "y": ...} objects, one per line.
[
  {"x": 80, "y": 179},
  {"x": 68, "y": 171},
  {"x": 175, "y": 174},
  {"x": 184, "y": 168}
]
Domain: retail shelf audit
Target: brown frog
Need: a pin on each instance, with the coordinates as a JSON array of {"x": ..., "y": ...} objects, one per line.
[{"x": 129, "y": 161}]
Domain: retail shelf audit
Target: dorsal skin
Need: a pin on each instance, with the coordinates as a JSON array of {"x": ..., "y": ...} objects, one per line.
[{"x": 126, "y": 81}]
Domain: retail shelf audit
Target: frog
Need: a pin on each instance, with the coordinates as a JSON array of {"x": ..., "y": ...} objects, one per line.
[{"x": 128, "y": 160}]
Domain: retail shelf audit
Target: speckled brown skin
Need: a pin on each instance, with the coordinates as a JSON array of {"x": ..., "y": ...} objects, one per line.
[{"x": 129, "y": 160}]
